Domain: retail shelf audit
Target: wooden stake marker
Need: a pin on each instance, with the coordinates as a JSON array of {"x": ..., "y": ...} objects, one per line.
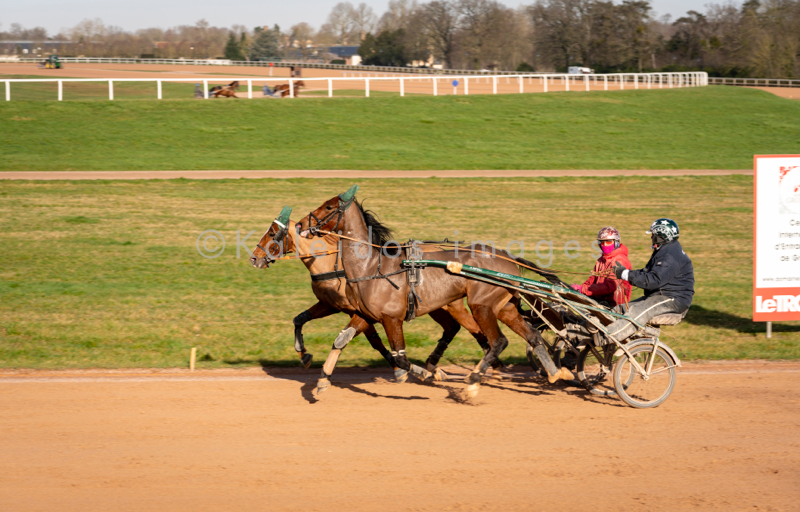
[{"x": 192, "y": 358}]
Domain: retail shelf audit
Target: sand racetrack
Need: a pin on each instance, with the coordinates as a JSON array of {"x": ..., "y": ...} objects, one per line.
[{"x": 727, "y": 439}]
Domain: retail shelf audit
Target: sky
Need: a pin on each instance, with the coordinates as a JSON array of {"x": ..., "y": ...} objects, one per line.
[{"x": 56, "y": 15}]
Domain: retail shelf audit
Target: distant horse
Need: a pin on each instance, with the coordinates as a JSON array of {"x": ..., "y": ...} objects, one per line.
[
  {"x": 228, "y": 91},
  {"x": 283, "y": 89}
]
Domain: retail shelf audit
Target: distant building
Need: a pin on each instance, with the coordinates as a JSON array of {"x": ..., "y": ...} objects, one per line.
[
  {"x": 31, "y": 48},
  {"x": 347, "y": 53}
]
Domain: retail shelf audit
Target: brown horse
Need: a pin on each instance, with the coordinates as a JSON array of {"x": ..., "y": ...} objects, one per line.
[
  {"x": 376, "y": 284},
  {"x": 328, "y": 284},
  {"x": 283, "y": 89},
  {"x": 228, "y": 91}
]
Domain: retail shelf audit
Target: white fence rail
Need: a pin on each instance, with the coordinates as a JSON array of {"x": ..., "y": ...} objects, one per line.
[{"x": 570, "y": 82}]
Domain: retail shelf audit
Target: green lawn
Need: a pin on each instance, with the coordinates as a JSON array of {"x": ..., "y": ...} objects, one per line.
[
  {"x": 106, "y": 274},
  {"x": 700, "y": 128}
]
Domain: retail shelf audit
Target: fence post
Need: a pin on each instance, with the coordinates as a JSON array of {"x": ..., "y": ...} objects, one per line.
[
  {"x": 466, "y": 86},
  {"x": 8, "y": 90},
  {"x": 586, "y": 81},
  {"x": 366, "y": 87},
  {"x": 60, "y": 90},
  {"x": 291, "y": 88},
  {"x": 545, "y": 84},
  {"x": 110, "y": 89},
  {"x": 605, "y": 82},
  {"x": 250, "y": 89},
  {"x": 566, "y": 80},
  {"x": 158, "y": 86},
  {"x": 330, "y": 88},
  {"x": 205, "y": 89},
  {"x": 494, "y": 85},
  {"x": 435, "y": 90},
  {"x": 520, "y": 84},
  {"x": 622, "y": 82}
]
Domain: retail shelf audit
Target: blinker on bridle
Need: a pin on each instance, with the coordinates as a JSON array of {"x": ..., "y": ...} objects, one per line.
[
  {"x": 282, "y": 221},
  {"x": 345, "y": 200}
]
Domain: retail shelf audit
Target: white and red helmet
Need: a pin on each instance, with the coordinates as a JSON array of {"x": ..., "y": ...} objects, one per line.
[{"x": 609, "y": 233}]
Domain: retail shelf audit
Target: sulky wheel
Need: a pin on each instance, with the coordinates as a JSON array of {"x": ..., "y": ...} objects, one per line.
[
  {"x": 651, "y": 389},
  {"x": 595, "y": 365}
]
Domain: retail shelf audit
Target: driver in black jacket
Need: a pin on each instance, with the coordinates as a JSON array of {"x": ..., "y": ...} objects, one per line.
[{"x": 667, "y": 280}]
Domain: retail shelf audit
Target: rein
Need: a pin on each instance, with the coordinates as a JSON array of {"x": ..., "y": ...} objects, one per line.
[{"x": 605, "y": 273}]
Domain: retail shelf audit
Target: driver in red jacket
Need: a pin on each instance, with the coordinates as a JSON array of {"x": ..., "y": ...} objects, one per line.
[{"x": 608, "y": 290}]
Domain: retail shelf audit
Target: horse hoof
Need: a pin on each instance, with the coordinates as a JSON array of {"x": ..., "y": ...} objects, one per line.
[
  {"x": 472, "y": 390},
  {"x": 561, "y": 374},
  {"x": 421, "y": 373},
  {"x": 473, "y": 378},
  {"x": 400, "y": 375},
  {"x": 322, "y": 386},
  {"x": 305, "y": 359}
]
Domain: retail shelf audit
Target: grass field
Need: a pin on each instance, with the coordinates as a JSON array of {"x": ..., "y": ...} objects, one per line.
[
  {"x": 106, "y": 274},
  {"x": 699, "y": 128}
]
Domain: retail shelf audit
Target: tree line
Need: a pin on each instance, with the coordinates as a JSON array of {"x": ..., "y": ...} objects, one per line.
[{"x": 759, "y": 38}]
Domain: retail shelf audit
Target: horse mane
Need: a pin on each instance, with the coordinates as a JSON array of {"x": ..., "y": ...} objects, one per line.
[{"x": 381, "y": 233}]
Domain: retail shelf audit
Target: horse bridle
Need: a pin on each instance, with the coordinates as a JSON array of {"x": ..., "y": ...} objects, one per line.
[
  {"x": 278, "y": 238},
  {"x": 343, "y": 206}
]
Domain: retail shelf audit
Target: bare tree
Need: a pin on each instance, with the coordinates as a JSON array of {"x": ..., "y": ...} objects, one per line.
[
  {"x": 340, "y": 22},
  {"x": 398, "y": 15},
  {"x": 363, "y": 19},
  {"x": 441, "y": 22}
]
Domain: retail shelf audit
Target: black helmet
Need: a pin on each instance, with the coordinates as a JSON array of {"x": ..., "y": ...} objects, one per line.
[{"x": 664, "y": 229}]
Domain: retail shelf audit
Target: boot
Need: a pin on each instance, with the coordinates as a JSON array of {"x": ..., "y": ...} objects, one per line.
[{"x": 553, "y": 373}]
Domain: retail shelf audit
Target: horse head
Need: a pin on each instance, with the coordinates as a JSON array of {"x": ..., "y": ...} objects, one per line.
[
  {"x": 327, "y": 217},
  {"x": 275, "y": 243}
]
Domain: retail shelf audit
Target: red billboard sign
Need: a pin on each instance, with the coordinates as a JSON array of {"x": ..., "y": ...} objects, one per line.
[{"x": 776, "y": 237}]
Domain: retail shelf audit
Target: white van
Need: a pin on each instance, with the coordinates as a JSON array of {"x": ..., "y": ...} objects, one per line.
[{"x": 575, "y": 70}]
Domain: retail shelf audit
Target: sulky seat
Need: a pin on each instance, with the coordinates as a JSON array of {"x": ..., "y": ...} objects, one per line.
[{"x": 667, "y": 319}]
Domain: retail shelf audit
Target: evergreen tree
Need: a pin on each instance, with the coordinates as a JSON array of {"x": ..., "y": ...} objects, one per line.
[
  {"x": 232, "y": 49},
  {"x": 385, "y": 50},
  {"x": 265, "y": 46}
]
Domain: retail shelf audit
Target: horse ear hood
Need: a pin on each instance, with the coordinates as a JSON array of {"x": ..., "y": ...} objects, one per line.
[
  {"x": 283, "y": 218},
  {"x": 350, "y": 194}
]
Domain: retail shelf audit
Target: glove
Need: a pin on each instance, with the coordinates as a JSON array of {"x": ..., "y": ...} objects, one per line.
[
  {"x": 619, "y": 268},
  {"x": 575, "y": 287}
]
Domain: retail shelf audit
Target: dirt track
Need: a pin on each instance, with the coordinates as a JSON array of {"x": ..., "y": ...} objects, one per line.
[{"x": 727, "y": 439}]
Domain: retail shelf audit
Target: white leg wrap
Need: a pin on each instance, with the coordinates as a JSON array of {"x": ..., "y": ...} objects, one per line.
[{"x": 344, "y": 338}]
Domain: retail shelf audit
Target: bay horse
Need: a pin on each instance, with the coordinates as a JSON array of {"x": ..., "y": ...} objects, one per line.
[
  {"x": 283, "y": 89},
  {"x": 375, "y": 283},
  {"x": 321, "y": 258},
  {"x": 228, "y": 91}
]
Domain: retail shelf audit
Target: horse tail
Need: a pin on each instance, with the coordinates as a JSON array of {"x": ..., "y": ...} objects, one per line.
[{"x": 547, "y": 274}]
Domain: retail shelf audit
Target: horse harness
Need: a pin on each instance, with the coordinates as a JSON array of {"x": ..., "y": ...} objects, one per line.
[
  {"x": 339, "y": 210},
  {"x": 411, "y": 268},
  {"x": 278, "y": 238}
]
